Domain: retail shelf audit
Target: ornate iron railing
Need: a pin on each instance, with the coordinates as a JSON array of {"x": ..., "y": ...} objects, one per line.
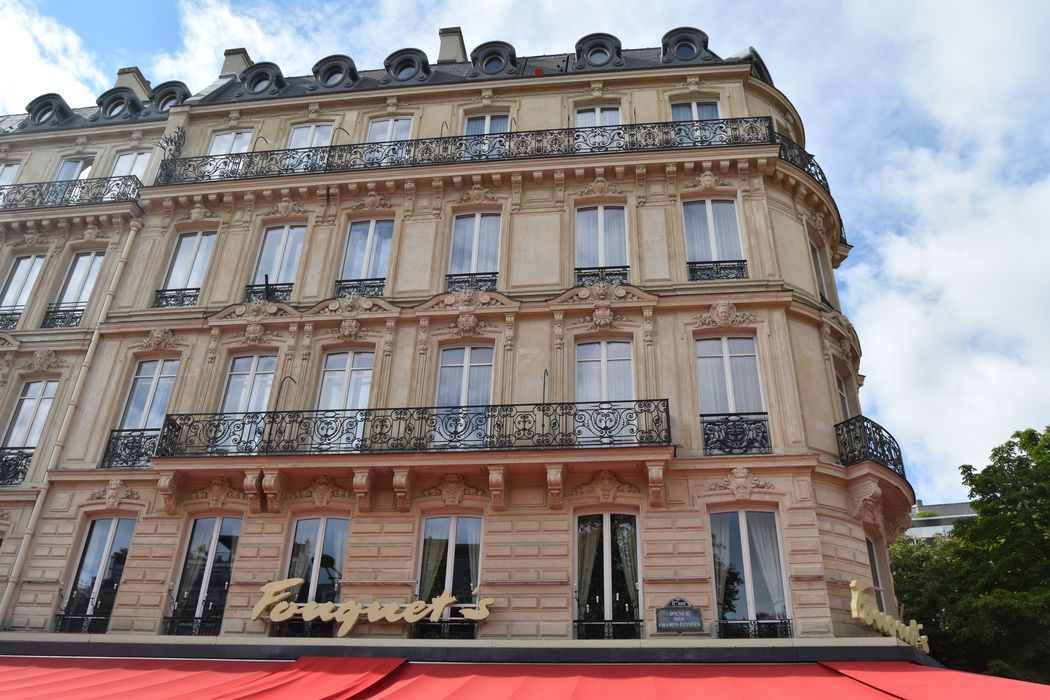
[
  {"x": 63, "y": 315},
  {"x": 494, "y": 427},
  {"x": 303, "y": 628},
  {"x": 372, "y": 287},
  {"x": 9, "y": 316},
  {"x": 792, "y": 153},
  {"x": 14, "y": 463},
  {"x": 67, "y": 193},
  {"x": 481, "y": 281},
  {"x": 268, "y": 292},
  {"x": 514, "y": 145},
  {"x": 735, "y": 433},
  {"x": 168, "y": 298},
  {"x": 192, "y": 626},
  {"x": 861, "y": 438},
  {"x": 586, "y": 276},
  {"x": 82, "y": 624},
  {"x": 608, "y": 629},
  {"x": 130, "y": 449},
  {"x": 717, "y": 270},
  {"x": 754, "y": 629},
  {"x": 445, "y": 629}
]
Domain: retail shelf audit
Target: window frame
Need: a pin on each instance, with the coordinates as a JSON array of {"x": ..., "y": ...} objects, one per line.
[
  {"x": 819, "y": 273},
  {"x": 599, "y": 112},
  {"x": 318, "y": 552},
  {"x": 466, "y": 365},
  {"x": 83, "y": 169},
  {"x": 450, "y": 560},
  {"x": 745, "y": 554},
  {"x": 194, "y": 258},
  {"x": 876, "y": 574},
  {"x": 8, "y": 174},
  {"x": 28, "y": 283},
  {"x": 391, "y": 129},
  {"x": 138, "y": 156},
  {"x": 712, "y": 234},
  {"x": 601, "y": 253},
  {"x": 607, "y": 543},
  {"x": 35, "y": 417},
  {"x": 347, "y": 373},
  {"x": 314, "y": 127},
  {"x": 259, "y": 276},
  {"x": 728, "y": 374},
  {"x": 234, "y": 134},
  {"x": 253, "y": 374},
  {"x": 475, "y": 242},
  {"x": 202, "y": 596},
  {"x": 842, "y": 389},
  {"x": 103, "y": 563},
  {"x": 370, "y": 248},
  {"x": 154, "y": 383},
  {"x": 82, "y": 298},
  {"x": 603, "y": 362},
  {"x": 694, "y": 109}
]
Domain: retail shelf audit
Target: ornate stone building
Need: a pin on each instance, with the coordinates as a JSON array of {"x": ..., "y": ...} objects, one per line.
[{"x": 557, "y": 335}]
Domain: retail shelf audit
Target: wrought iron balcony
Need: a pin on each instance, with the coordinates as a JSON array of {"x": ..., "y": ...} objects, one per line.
[
  {"x": 372, "y": 287},
  {"x": 862, "y": 439},
  {"x": 268, "y": 292},
  {"x": 169, "y": 298},
  {"x": 9, "y": 316},
  {"x": 82, "y": 624},
  {"x": 515, "y": 145},
  {"x": 717, "y": 270},
  {"x": 481, "y": 281},
  {"x": 63, "y": 315},
  {"x": 754, "y": 629},
  {"x": 608, "y": 629},
  {"x": 14, "y": 463},
  {"x": 303, "y": 628},
  {"x": 430, "y": 429},
  {"x": 68, "y": 193},
  {"x": 791, "y": 152},
  {"x": 130, "y": 449},
  {"x": 456, "y": 628},
  {"x": 735, "y": 433},
  {"x": 586, "y": 276},
  {"x": 193, "y": 626}
]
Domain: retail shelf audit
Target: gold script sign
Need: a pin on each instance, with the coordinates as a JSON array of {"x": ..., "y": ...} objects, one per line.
[
  {"x": 887, "y": 624},
  {"x": 275, "y": 596}
]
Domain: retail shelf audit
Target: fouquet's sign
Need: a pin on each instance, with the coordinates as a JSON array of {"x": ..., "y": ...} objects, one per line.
[
  {"x": 887, "y": 624},
  {"x": 276, "y": 594}
]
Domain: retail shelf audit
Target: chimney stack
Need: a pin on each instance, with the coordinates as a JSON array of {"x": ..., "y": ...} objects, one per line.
[
  {"x": 235, "y": 62},
  {"x": 451, "y": 49},
  {"x": 132, "y": 78}
]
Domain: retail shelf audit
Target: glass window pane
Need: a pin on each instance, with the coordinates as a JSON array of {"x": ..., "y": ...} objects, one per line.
[
  {"x": 766, "y": 576},
  {"x": 220, "y": 144},
  {"x": 200, "y": 262},
  {"x": 301, "y": 562},
  {"x": 727, "y": 239},
  {"x": 741, "y": 346},
  {"x": 615, "y": 237},
  {"x": 610, "y": 116},
  {"x": 192, "y": 579},
  {"x": 466, "y": 559},
  {"x": 290, "y": 263},
  {"x": 590, "y": 567},
  {"x": 586, "y": 118},
  {"x": 727, "y": 555},
  {"x": 87, "y": 572},
  {"x": 587, "y": 238},
  {"x": 488, "y": 244},
  {"x": 498, "y": 123},
  {"x": 77, "y": 276},
  {"x": 475, "y": 126},
  {"x": 182, "y": 262},
  {"x": 707, "y": 110},
  {"x": 697, "y": 235},
  {"x": 589, "y": 351},
  {"x": 624, "y": 556},
  {"x": 114, "y": 567},
  {"x": 378, "y": 130},
  {"x": 620, "y": 381},
  {"x": 450, "y": 386},
  {"x": 435, "y": 558},
  {"x": 873, "y": 564},
  {"x": 746, "y": 391},
  {"x": 383, "y": 237},
  {"x": 333, "y": 554},
  {"x": 481, "y": 355},
  {"x": 300, "y": 136},
  {"x": 479, "y": 385},
  {"x": 273, "y": 243},
  {"x": 159, "y": 405},
  {"x": 137, "y": 400},
  {"x": 588, "y": 380},
  {"x": 240, "y": 142},
  {"x": 462, "y": 245},
  {"x": 221, "y": 568},
  {"x": 712, "y": 379}
]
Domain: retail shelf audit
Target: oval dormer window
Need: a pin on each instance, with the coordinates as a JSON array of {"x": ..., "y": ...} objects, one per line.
[
  {"x": 43, "y": 115},
  {"x": 405, "y": 69},
  {"x": 167, "y": 102},
  {"x": 334, "y": 71},
  {"x": 598, "y": 56},
  {"x": 598, "y": 51},
  {"x": 493, "y": 63},
  {"x": 685, "y": 50},
  {"x": 115, "y": 107},
  {"x": 332, "y": 76},
  {"x": 259, "y": 83},
  {"x": 406, "y": 64}
]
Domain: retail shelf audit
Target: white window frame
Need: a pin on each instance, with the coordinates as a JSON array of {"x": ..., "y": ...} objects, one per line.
[
  {"x": 727, "y": 370},
  {"x": 876, "y": 574},
  {"x": 745, "y": 553},
  {"x": 712, "y": 235},
  {"x": 475, "y": 245},
  {"x": 694, "y": 108},
  {"x": 464, "y": 388},
  {"x": 599, "y": 111},
  {"x": 252, "y": 373},
  {"x": 195, "y": 259},
  {"x": 18, "y": 289},
  {"x": 391, "y": 128},
  {"x": 817, "y": 257},
  {"x": 103, "y": 562},
  {"x": 230, "y": 149},
  {"x": 315, "y": 566},
  {"x": 370, "y": 242},
  {"x": 314, "y": 128},
  {"x": 842, "y": 388},
  {"x": 154, "y": 382},
  {"x": 8, "y": 171},
  {"x": 83, "y": 168},
  {"x": 139, "y": 163},
  {"x": 486, "y": 120},
  {"x": 284, "y": 231},
  {"x": 602, "y": 253},
  {"x": 87, "y": 284},
  {"x": 202, "y": 597},
  {"x": 347, "y": 373},
  {"x": 607, "y": 613},
  {"x": 603, "y": 363},
  {"x": 38, "y": 413},
  {"x": 450, "y": 554}
]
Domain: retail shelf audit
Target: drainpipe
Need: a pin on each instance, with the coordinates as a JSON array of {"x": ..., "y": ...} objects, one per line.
[{"x": 67, "y": 420}]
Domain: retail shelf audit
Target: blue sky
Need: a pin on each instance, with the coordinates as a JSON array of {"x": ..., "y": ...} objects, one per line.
[{"x": 928, "y": 117}]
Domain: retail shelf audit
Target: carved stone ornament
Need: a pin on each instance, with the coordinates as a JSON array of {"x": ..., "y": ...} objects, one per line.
[
  {"x": 170, "y": 488},
  {"x": 198, "y": 211},
  {"x": 600, "y": 186},
  {"x": 285, "y": 207},
  {"x": 257, "y": 310},
  {"x": 656, "y": 484},
  {"x": 603, "y": 319},
  {"x": 402, "y": 489},
  {"x": 4, "y": 515},
  {"x": 363, "y": 489},
  {"x": 896, "y": 524},
  {"x": 217, "y": 493},
  {"x": 865, "y": 503},
  {"x": 723, "y": 314},
  {"x": 452, "y": 489},
  {"x": 467, "y": 299},
  {"x": 114, "y": 493},
  {"x": 476, "y": 195},
  {"x": 605, "y": 487},
  {"x": 273, "y": 489},
  {"x": 740, "y": 482},
  {"x": 255, "y": 334},
  {"x": 467, "y": 325},
  {"x": 497, "y": 488},
  {"x": 32, "y": 238},
  {"x": 322, "y": 491},
  {"x": 352, "y": 306},
  {"x": 372, "y": 201},
  {"x": 42, "y": 360},
  {"x": 554, "y": 486},
  {"x": 601, "y": 291},
  {"x": 161, "y": 339},
  {"x": 706, "y": 181}
]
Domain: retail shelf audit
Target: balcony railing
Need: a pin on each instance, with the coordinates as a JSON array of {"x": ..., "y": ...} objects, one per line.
[
  {"x": 481, "y": 281},
  {"x": 608, "y": 629},
  {"x": 9, "y": 316},
  {"x": 717, "y": 270},
  {"x": 14, "y": 463},
  {"x": 430, "y": 429},
  {"x": 372, "y": 287},
  {"x": 445, "y": 629},
  {"x": 862, "y": 439},
  {"x": 791, "y": 152},
  {"x": 82, "y": 624},
  {"x": 192, "y": 626},
  {"x": 130, "y": 449},
  {"x": 63, "y": 315},
  {"x": 169, "y": 298},
  {"x": 516, "y": 145},
  {"x": 586, "y": 276},
  {"x": 753, "y": 629},
  {"x": 268, "y": 292},
  {"x": 67, "y": 193},
  {"x": 303, "y": 628},
  {"x": 735, "y": 433}
]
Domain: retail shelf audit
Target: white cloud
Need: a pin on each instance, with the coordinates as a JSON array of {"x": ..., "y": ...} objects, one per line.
[{"x": 41, "y": 56}]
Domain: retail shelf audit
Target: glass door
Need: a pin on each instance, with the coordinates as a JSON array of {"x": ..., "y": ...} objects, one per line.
[
  {"x": 607, "y": 582},
  {"x": 201, "y": 599},
  {"x": 95, "y": 586},
  {"x": 465, "y": 383}
]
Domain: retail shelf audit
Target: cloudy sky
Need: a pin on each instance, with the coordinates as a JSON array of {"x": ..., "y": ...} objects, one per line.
[{"x": 928, "y": 117}]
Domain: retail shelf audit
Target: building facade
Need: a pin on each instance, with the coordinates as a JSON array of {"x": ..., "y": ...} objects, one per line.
[{"x": 557, "y": 336}]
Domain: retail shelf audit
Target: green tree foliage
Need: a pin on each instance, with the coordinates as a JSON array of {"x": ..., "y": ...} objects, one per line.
[{"x": 983, "y": 591}]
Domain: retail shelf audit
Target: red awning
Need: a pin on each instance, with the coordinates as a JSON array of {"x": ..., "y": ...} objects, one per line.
[{"x": 909, "y": 681}]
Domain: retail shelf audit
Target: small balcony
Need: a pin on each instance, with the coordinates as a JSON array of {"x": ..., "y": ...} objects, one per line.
[
  {"x": 68, "y": 193},
  {"x": 82, "y": 624},
  {"x": 711, "y": 270},
  {"x": 586, "y": 276},
  {"x": 181, "y": 626},
  {"x": 298, "y": 628},
  {"x": 372, "y": 287},
  {"x": 862, "y": 439},
  {"x": 607, "y": 629},
  {"x": 14, "y": 463},
  {"x": 454, "y": 628},
  {"x": 130, "y": 449},
  {"x": 735, "y": 433},
  {"x": 172, "y": 298},
  {"x": 478, "y": 281},
  {"x": 426, "y": 429},
  {"x": 268, "y": 292},
  {"x": 63, "y": 315},
  {"x": 754, "y": 629},
  {"x": 9, "y": 316}
]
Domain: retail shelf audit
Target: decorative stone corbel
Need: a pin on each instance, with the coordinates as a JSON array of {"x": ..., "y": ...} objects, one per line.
[
  {"x": 496, "y": 487},
  {"x": 273, "y": 490},
  {"x": 253, "y": 492},
  {"x": 363, "y": 489},
  {"x": 656, "y": 483},
  {"x": 554, "y": 486},
  {"x": 402, "y": 488},
  {"x": 170, "y": 488},
  {"x": 865, "y": 503}
]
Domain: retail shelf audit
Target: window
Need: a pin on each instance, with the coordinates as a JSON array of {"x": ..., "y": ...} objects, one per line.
[
  {"x": 279, "y": 258},
  {"x": 603, "y": 372},
  {"x": 749, "y": 580},
  {"x": 229, "y": 142},
  {"x": 19, "y": 285},
  {"x": 131, "y": 164},
  {"x": 451, "y": 556},
  {"x": 482, "y": 128},
  {"x": 318, "y": 552},
  {"x": 712, "y": 237},
  {"x": 382, "y": 132},
  {"x": 148, "y": 398},
  {"x": 187, "y": 268},
  {"x": 598, "y": 139},
  {"x": 76, "y": 290},
  {"x": 7, "y": 173},
  {"x": 310, "y": 135},
  {"x": 843, "y": 392},
  {"x": 475, "y": 244},
  {"x": 727, "y": 371},
  {"x": 880, "y": 600},
  {"x": 690, "y": 133},
  {"x": 607, "y": 581},
  {"x": 819, "y": 272},
  {"x": 90, "y": 603},
  {"x": 694, "y": 111},
  {"x": 465, "y": 376},
  {"x": 248, "y": 384},
  {"x": 206, "y": 574},
  {"x": 598, "y": 116},
  {"x": 367, "y": 250},
  {"x": 601, "y": 237},
  {"x": 31, "y": 409},
  {"x": 346, "y": 382},
  {"x": 75, "y": 169}
]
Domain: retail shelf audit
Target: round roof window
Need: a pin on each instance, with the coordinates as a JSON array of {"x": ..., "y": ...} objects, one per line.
[
  {"x": 405, "y": 70},
  {"x": 685, "y": 50},
  {"x": 44, "y": 114},
  {"x": 259, "y": 83},
  {"x": 493, "y": 63},
  {"x": 332, "y": 76},
  {"x": 599, "y": 55},
  {"x": 115, "y": 107},
  {"x": 167, "y": 102}
]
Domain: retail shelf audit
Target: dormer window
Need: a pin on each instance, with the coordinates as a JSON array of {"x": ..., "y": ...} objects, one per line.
[
  {"x": 406, "y": 69},
  {"x": 407, "y": 64},
  {"x": 598, "y": 56},
  {"x": 335, "y": 71},
  {"x": 115, "y": 107},
  {"x": 685, "y": 49},
  {"x": 259, "y": 83},
  {"x": 263, "y": 78},
  {"x": 167, "y": 102},
  {"x": 48, "y": 110},
  {"x": 685, "y": 45},
  {"x": 168, "y": 95},
  {"x": 493, "y": 58},
  {"x": 598, "y": 51},
  {"x": 43, "y": 115},
  {"x": 118, "y": 102}
]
